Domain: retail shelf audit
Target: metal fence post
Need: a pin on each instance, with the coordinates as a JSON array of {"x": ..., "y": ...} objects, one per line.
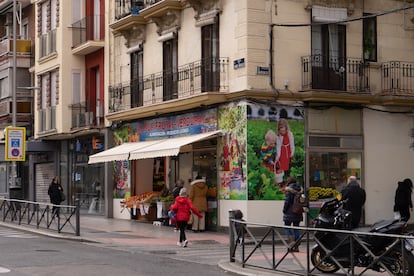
[
  {"x": 77, "y": 204},
  {"x": 231, "y": 235}
]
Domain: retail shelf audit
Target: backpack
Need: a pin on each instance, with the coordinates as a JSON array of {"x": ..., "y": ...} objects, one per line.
[{"x": 299, "y": 202}]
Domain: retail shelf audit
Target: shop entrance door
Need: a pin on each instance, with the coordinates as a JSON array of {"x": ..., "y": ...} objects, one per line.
[{"x": 205, "y": 166}]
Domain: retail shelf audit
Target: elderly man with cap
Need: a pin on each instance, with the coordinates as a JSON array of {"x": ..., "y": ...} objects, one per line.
[{"x": 354, "y": 198}]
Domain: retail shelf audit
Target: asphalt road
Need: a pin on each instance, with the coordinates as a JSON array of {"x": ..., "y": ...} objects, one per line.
[{"x": 25, "y": 253}]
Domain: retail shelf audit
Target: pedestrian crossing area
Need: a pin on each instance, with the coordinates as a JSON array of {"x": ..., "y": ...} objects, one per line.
[{"x": 10, "y": 233}]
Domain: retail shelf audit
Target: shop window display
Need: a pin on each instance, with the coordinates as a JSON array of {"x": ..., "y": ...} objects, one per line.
[{"x": 328, "y": 172}]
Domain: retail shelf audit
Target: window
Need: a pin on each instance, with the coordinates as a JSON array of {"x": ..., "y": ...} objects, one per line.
[
  {"x": 137, "y": 78},
  {"x": 25, "y": 29},
  {"x": 370, "y": 38},
  {"x": 76, "y": 88},
  {"x": 47, "y": 30},
  {"x": 170, "y": 69},
  {"x": 49, "y": 98},
  {"x": 4, "y": 88},
  {"x": 210, "y": 80}
]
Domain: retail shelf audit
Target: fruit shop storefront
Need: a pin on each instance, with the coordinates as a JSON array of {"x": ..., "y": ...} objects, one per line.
[{"x": 240, "y": 148}]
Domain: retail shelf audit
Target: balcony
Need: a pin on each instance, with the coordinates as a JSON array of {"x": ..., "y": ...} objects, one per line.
[
  {"x": 397, "y": 78},
  {"x": 81, "y": 117},
  {"x": 130, "y": 13},
  {"x": 88, "y": 35},
  {"x": 124, "y": 8},
  {"x": 337, "y": 74},
  {"x": 23, "y": 47},
  {"x": 189, "y": 80},
  {"x": 46, "y": 119}
]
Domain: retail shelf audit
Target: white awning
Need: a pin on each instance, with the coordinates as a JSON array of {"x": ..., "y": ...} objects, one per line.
[
  {"x": 150, "y": 149},
  {"x": 119, "y": 153},
  {"x": 170, "y": 147}
]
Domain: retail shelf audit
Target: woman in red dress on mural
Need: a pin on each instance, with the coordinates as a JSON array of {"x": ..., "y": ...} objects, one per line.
[{"x": 285, "y": 145}]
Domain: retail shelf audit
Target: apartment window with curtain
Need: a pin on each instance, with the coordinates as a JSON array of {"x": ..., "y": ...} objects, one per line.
[
  {"x": 210, "y": 69},
  {"x": 137, "y": 78},
  {"x": 170, "y": 69},
  {"x": 370, "y": 38},
  {"x": 48, "y": 11},
  {"x": 329, "y": 57},
  {"x": 49, "y": 99}
]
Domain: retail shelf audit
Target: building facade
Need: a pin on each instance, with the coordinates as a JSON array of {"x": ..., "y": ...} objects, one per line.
[{"x": 69, "y": 72}]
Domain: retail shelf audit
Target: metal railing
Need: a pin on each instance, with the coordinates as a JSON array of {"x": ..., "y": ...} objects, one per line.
[
  {"x": 188, "y": 80},
  {"x": 40, "y": 215},
  {"x": 397, "y": 78},
  {"x": 87, "y": 29},
  {"x": 81, "y": 116},
  {"x": 335, "y": 73},
  {"x": 271, "y": 252},
  {"x": 126, "y": 7}
]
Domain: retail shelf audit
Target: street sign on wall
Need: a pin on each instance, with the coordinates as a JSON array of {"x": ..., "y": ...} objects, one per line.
[{"x": 15, "y": 143}]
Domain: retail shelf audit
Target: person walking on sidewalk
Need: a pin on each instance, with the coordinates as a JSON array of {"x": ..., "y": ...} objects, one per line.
[
  {"x": 198, "y": 195},
  {"x": 54, "y": 192},
  {"x": 289, "y": 218},
  {"x": 182, "y": 207}
]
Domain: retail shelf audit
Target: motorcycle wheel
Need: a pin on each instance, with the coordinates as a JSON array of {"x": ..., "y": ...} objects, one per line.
[
  {"x": 395, "y": 265},
  {"x": 326, "y": 266}
]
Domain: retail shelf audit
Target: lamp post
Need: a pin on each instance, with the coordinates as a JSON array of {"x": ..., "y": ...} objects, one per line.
[{"x": 12, "y": 182}]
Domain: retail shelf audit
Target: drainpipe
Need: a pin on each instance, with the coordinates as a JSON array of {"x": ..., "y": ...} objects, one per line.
[{"x": 271, "y": 56}]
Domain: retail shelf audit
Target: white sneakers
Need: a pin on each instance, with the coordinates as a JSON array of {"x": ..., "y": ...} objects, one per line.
[{"x": 183, "y": 244}]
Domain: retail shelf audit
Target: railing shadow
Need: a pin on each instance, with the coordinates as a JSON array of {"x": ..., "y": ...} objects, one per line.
[
  {"x": 41, "y": 215},
  {"x": 269, "y": 250}
]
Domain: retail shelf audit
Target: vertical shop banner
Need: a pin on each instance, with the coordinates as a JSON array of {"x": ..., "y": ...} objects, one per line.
[
  {"x": 15, "y": 143},
  {"x": 232, "y": 152}
]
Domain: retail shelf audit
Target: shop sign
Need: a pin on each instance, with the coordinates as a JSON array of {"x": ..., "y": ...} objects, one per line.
[{"x": 180, "y": 125}]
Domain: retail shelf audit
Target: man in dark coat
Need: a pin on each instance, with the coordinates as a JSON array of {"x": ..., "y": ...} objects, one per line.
[{"x": 354, "y": 198}]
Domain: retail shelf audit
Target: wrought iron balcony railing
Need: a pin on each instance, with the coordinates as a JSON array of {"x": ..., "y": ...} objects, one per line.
[
  {"x": 87, "y": 29},
  {"x": 397, "y": 78},
  {"x": 188, "y": 80},
  {"x": 127, "y": 7},
  {"x": 335, "y": 73}
]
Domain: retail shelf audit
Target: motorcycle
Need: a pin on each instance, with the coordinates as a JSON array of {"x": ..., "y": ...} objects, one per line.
[{"x": 333, "y": 250}]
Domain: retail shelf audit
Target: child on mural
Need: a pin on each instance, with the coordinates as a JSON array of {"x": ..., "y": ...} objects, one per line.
[
  {"x": 226, "y": 154},
  {"x": 285, "y": 145},
  {"x": 268, "y": 150}
]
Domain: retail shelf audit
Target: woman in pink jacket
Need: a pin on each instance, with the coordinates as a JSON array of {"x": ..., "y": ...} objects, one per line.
[{"x": 182, "y": 207}]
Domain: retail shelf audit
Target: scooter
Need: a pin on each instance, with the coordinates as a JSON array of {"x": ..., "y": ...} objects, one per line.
[{"x": 333, "y": 250}]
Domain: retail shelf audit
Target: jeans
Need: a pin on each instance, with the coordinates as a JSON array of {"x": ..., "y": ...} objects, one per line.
[{"x": 295, "y": 233}]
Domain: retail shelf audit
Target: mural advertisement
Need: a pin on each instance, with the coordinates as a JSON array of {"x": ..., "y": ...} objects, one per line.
[
  {"x": 263, "y": 146},
  {"x": 154, "y": 129},
  {"x": 275, "y": 151}
]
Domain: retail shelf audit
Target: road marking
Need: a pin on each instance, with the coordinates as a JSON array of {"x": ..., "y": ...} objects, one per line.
[
  {"x": 16, "y": 234},
  {"x": 4, "y": 270}
]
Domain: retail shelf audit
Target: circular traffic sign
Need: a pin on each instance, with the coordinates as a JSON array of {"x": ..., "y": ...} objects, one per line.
[{"x": 15, "y": 152}]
